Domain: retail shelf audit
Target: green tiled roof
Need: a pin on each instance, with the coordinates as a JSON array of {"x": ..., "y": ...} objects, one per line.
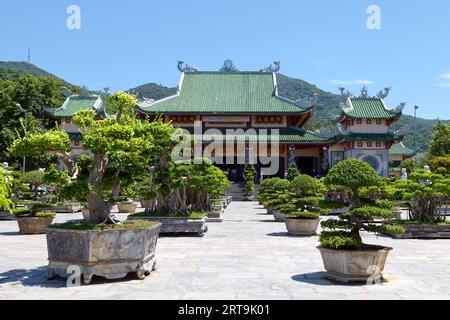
[
  {"x": 285, "y": 135},
  {"x": 371, "y": 108},
  {"x": 400, "y": 148},
  {"x": 74, "y": 104},
  {"x": 75, "y": 136},
  {"x": 371, "y": 137},
  {"x": 225, "y": 93}
]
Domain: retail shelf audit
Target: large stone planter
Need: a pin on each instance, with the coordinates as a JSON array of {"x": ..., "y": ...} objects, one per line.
[
  {"x": 215, "y": 215},
  {"x": 270, "y": 210},
  {"x": 301, "y": 227},
  {"x": 279, "y": 217},
  {"x": 32, "y": 225},
  {"x": 355, "y": 265},
  {"x": 424, "y": 231},
  {"x": 67, "y": 208},
  {"x": 249, "y": 197},
  {"x": 111, "y": 254},
  {"x": 6, "y": 216},
  {"x": 126, "y": 207},
  {"x": 178, "y": 225}
]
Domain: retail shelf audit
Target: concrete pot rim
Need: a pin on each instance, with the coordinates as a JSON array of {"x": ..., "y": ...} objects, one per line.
[
  {"x": 157, "y": 225},
  {"x": 167, "y": 218},
  {"x": 301, "y": 219},
  {"x": 371, "y": 248},
  {"x": 36, "y": 218}
]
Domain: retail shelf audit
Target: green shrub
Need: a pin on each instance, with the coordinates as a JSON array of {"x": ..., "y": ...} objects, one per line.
[
  {"x": 293, "y": 172},
  {"x": 305, "y": 215},
  {"x": 344, "y": 233},
  {"x": 44, "y": 214},
  {"x": 18, "y": 212}
]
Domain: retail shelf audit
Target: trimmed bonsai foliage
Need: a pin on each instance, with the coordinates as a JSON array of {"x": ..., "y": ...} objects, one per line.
[
  {"x": 344, "y": 233},
  {"x": 6, "y": 201},
  {"x": 185, "y": 186},
  {"x": 82, "y": 225},
  {"x": 425, "y": 193},
  {"x": 122, "y": 148},
  {"x": 249, "y": 177},
  {"x": 440, "y": 165},
  {"x": 293, "y": 172}
]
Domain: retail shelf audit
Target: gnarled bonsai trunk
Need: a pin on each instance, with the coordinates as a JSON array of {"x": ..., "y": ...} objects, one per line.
[{"x": 98, "y": 208}]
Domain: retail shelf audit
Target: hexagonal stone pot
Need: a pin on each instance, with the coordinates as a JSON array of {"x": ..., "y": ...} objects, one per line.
[
  {"x": 178, "y": 225},
  {"x": 111, "y": 254},
  {"x": 32, "y": 225},
  {"x": 67, "y": 208},
  {"x": 355, "y": 265},
  {"x": 301, "y": 227}
]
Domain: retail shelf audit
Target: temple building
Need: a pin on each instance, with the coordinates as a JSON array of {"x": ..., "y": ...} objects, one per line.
[
  {"x": 364, "y": 132},
  {"x": 245, "y": 113},
  {"x": 70, "y": 107},
  {"x": 231, "y": 99}
]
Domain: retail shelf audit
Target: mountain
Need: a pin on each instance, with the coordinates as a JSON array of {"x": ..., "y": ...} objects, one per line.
[
  {"x": 11, "y": 70},
  {"x": 326, "y": 113},
  {"x": 152, "y": 91}
]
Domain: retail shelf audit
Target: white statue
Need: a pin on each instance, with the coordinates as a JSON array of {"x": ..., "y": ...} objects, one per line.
[
  {"x": 404, "y": 175},
  {"x": 427, "y": 168}
]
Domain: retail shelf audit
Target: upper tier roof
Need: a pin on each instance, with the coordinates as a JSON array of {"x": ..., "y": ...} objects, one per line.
[
  {"x": 74, "y": 104},
  {"x": 400, "y": 148},
  {"x": 369, "y": 108},
  {"x": 226, "y": 93}
]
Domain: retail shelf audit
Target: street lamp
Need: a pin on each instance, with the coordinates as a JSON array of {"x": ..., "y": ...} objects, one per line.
[
  {"x": 415, "y": 132},
  {"x": 26, "y": 128}
]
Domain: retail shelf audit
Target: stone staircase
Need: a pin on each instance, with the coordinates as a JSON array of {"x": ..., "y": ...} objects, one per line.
[{"x": 236, "y": 191}]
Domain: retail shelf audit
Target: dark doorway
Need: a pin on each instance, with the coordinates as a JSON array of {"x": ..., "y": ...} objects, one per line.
[{"x": 308, "y": 165}]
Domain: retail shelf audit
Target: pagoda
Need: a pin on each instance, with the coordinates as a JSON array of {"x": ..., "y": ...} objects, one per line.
[
  {"x": 364, "y": 131},
  {"x": 233, "y": 99}
]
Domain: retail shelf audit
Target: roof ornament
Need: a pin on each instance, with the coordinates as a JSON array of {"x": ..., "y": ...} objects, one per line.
[
  {"x": 400, "y": 107},
  {"x": 272, "y": 68},
  {"x": 228, "y": 67},
  {"x": 383, "y": 93},
  {"x": 364, "y": 92},
  {"x": 184, "y": 67},
  {"x": 345, "y": 93}
]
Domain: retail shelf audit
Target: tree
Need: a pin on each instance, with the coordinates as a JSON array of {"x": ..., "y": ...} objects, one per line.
[
  {"x": 5, "y": 192},
  {"x": 344, "y": 233},
  {"x": 425, "y": 193},
  {"x": 293, "y": 172},
  {"x": 249, "y": 177},
  {"x": 122, "y": 149},
  {"x": 440, "y": 165},
  {"x": 440, "y": 140},
  {"x": 408, "y": 164}
]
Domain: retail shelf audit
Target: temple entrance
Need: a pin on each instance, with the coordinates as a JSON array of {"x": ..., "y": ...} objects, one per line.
[{"x": 308, "y": 165}]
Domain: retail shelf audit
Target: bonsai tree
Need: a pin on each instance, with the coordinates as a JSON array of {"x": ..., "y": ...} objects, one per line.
[
  {"x": 440, "y": 165},
  {"x": 344, "y": 233},
  {"x": 249, "y": 179},
  {"x": 5, "y": 192},
  {"x": 121, "y": 149},
  {"x": 425, "y": 192},
  {"x": 293, "y": 172}
]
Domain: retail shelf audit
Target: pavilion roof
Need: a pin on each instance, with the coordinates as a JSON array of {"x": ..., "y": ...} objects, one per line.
[
  {"x": 73, "y": 104},
  {"x": 369, "y": 108},
  {"x": 400, "y": 148},
  {"x": 237, "y": 93}
]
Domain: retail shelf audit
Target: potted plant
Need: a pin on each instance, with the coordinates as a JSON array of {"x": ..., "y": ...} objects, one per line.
[
  {"x": 424, "y": 193},
  {"x": 122, "y": 148},
  {"x": 33, "y": 222},
  {"x": 249, "y": 182},
  {"x": 6, "y": 201},
  {"x": 302, "y": 223},
  {"x": 127, "y": 205},
  {"x": 346, "y": 258}
]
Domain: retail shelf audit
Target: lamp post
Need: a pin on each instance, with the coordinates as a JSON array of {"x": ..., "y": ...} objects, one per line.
[
  {"x": 26, "y": 128},
  {"x": 415, "y": 132}
]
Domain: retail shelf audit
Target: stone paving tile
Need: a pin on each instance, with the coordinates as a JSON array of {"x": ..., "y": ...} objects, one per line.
[{"x": 248, "y": 256}]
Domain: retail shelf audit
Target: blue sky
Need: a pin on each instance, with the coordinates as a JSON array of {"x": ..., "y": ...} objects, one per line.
[{"x": 122, "y": 44}]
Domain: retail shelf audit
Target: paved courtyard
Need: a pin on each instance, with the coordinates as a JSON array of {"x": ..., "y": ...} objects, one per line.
[{"x": 248, "y": 256}]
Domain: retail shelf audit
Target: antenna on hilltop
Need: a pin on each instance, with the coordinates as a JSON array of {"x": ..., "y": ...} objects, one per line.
[{"x": 29, "y": 55}]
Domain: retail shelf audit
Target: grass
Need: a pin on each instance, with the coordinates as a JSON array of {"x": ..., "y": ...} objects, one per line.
[
  {"x": 188, "y": 214},
  {"x": 82, "y": 225}
]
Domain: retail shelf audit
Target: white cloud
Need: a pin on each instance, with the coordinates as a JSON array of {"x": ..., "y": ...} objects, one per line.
[
  {"x": 445, "y": 77},
  {"x": 445, "y": 80},
  {"x": 360, "y": 82}
]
